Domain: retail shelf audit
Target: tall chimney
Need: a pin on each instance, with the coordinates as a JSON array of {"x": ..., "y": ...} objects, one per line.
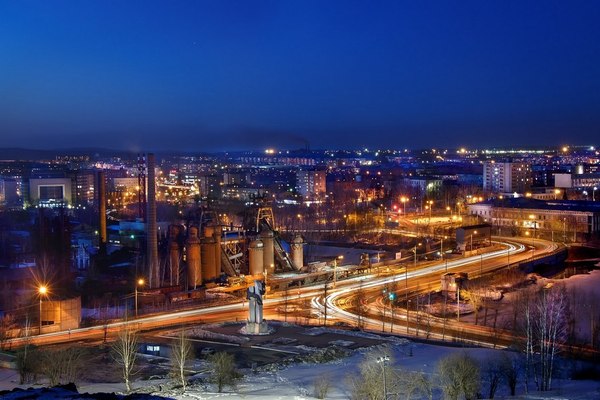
[
  {"x": 151, "y": 228},
  {"x": 102, "y": 211}
]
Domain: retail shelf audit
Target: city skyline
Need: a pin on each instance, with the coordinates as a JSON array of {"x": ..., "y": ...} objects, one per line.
[{"x": 227, "y": 76}]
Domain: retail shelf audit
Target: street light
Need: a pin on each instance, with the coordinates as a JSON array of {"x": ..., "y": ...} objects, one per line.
[
  {"x": 404, "y": 200},
  {"x": 474, "y": 233},
  {"x": 534, "y": 222},
  {"x": 594, "y": 193},
  {"x": 139, "y": 282},
  {"x": 430, "y": 203},
  {"x": 383, "y": 360},
  {"x": 340, "y": 257},
  {"x": 414, "y": 250},
  {"x": 42, "y": 290},
  {"x": 442, "y": 250}
]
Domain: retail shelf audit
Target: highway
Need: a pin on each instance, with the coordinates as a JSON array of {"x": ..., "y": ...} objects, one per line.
[
  {"x": 424, "y": 276},
  {"x": 340, "y": 304}
]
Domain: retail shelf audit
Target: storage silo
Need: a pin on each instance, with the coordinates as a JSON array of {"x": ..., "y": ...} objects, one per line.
[
  {"x": 266, "y": 236},
  {"x": 193, "y": 257},
  {"x": 256, "y": 257},
  {"x": 207, "y": 248},
  {"x": 174, "y": 254},
  {"x": 209, "y": 231},
  {"x": 298, "y": 251}
]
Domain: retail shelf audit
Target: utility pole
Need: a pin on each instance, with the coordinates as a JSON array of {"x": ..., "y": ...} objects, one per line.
[
  {"x": 325, "y": 303},
  {"x": 383, "y": 360}
]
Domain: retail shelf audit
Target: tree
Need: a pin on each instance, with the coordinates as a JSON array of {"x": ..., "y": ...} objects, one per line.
[
  {"x": 509, "y": 369},
  {"x": 492, "y": 373},
  {"x": 26, "y": 357},
  {"x": 458, "y": 374},
  {"x": 416, "y": 384},
  {"x": 322, "y": 385},
  {"x": 181, "y": 352},
  {"x": 223, "y": 371},
  {"x": 546, "y": 330},
  {"x": 369, "y": 384},
  {"x": 125, "y": 353},
  {"x": 61, "y": 365},
  {"x": 26, "y": 362}
]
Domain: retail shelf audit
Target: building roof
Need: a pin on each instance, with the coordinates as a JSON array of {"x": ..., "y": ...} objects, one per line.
[{"x": 556, "y": 205}]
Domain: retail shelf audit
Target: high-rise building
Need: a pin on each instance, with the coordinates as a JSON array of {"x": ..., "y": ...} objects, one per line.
[
  {"x": 506, "y": 177},
  {"x": 310, "y": 183}
]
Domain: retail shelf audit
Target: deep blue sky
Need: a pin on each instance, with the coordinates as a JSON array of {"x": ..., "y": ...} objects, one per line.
[{"x": 211, "y": 75}]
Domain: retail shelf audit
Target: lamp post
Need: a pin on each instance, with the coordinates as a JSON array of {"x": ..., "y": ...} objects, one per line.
[
  {"x": 442, "y": 250},
  {"x": 474, "y": 233},
  {"x": 340, "y": 257},
  {"x": 139, "y": 282},
  {"x": 534, "y": 222},
  {"x": 414, "y": 250},
  {"x": 430, "y": 203},
  {"x": 404, "y": 200},
  {"x": 42, "y": 290},
  {"x": 594, "y": 193},
  {"x": 383, "y": 360}
]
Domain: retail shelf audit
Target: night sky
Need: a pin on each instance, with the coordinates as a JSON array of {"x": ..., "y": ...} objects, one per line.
[{"x": 224, "y": 75}]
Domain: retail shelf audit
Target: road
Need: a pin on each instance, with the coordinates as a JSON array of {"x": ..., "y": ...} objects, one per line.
[
  {"x": 341, "y": 304},
  {"x": 425, "y": 275}
]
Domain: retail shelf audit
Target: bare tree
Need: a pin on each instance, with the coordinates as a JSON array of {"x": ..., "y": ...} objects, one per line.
[
  {"x": 416, "y": 385},
  {"x": 509, "y": 368},
  {"x": 125, "y": 353},
  {"x": 458, "y": 375},
  {"x": 545, "y": 330},
  {"x": 61, "y": 365},
  {"x": 475, "y": 296},
  {"x": 181, "y": 352},
  {"x": 26, "y": 356},
  {"x": 322, "y": 385},
  {"x": 223, "y": 371},
  {"x": 492, "y": 373},
  {"x": 370, "y": 383}
]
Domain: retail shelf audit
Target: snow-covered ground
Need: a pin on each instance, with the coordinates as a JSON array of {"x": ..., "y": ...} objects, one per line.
[{"x": 296, "y": 381}]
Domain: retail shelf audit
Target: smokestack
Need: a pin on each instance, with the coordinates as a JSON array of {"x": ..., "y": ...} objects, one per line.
[
  {"x": 102, "y": 211},
  {"x": 151, "y": 228}
]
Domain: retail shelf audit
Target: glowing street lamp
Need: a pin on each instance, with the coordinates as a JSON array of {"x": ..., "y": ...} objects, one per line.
[
  {"x": 404, "y": 200},
  {"x": 42, "y": 291},
  {"x": 140, "y": 282}
]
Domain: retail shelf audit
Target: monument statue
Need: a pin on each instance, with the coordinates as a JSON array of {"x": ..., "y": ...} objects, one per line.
[{"x": 256, "y": 325}]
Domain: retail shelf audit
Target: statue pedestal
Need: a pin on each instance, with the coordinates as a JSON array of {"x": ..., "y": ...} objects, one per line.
[{"x": 253, "y": 328}]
